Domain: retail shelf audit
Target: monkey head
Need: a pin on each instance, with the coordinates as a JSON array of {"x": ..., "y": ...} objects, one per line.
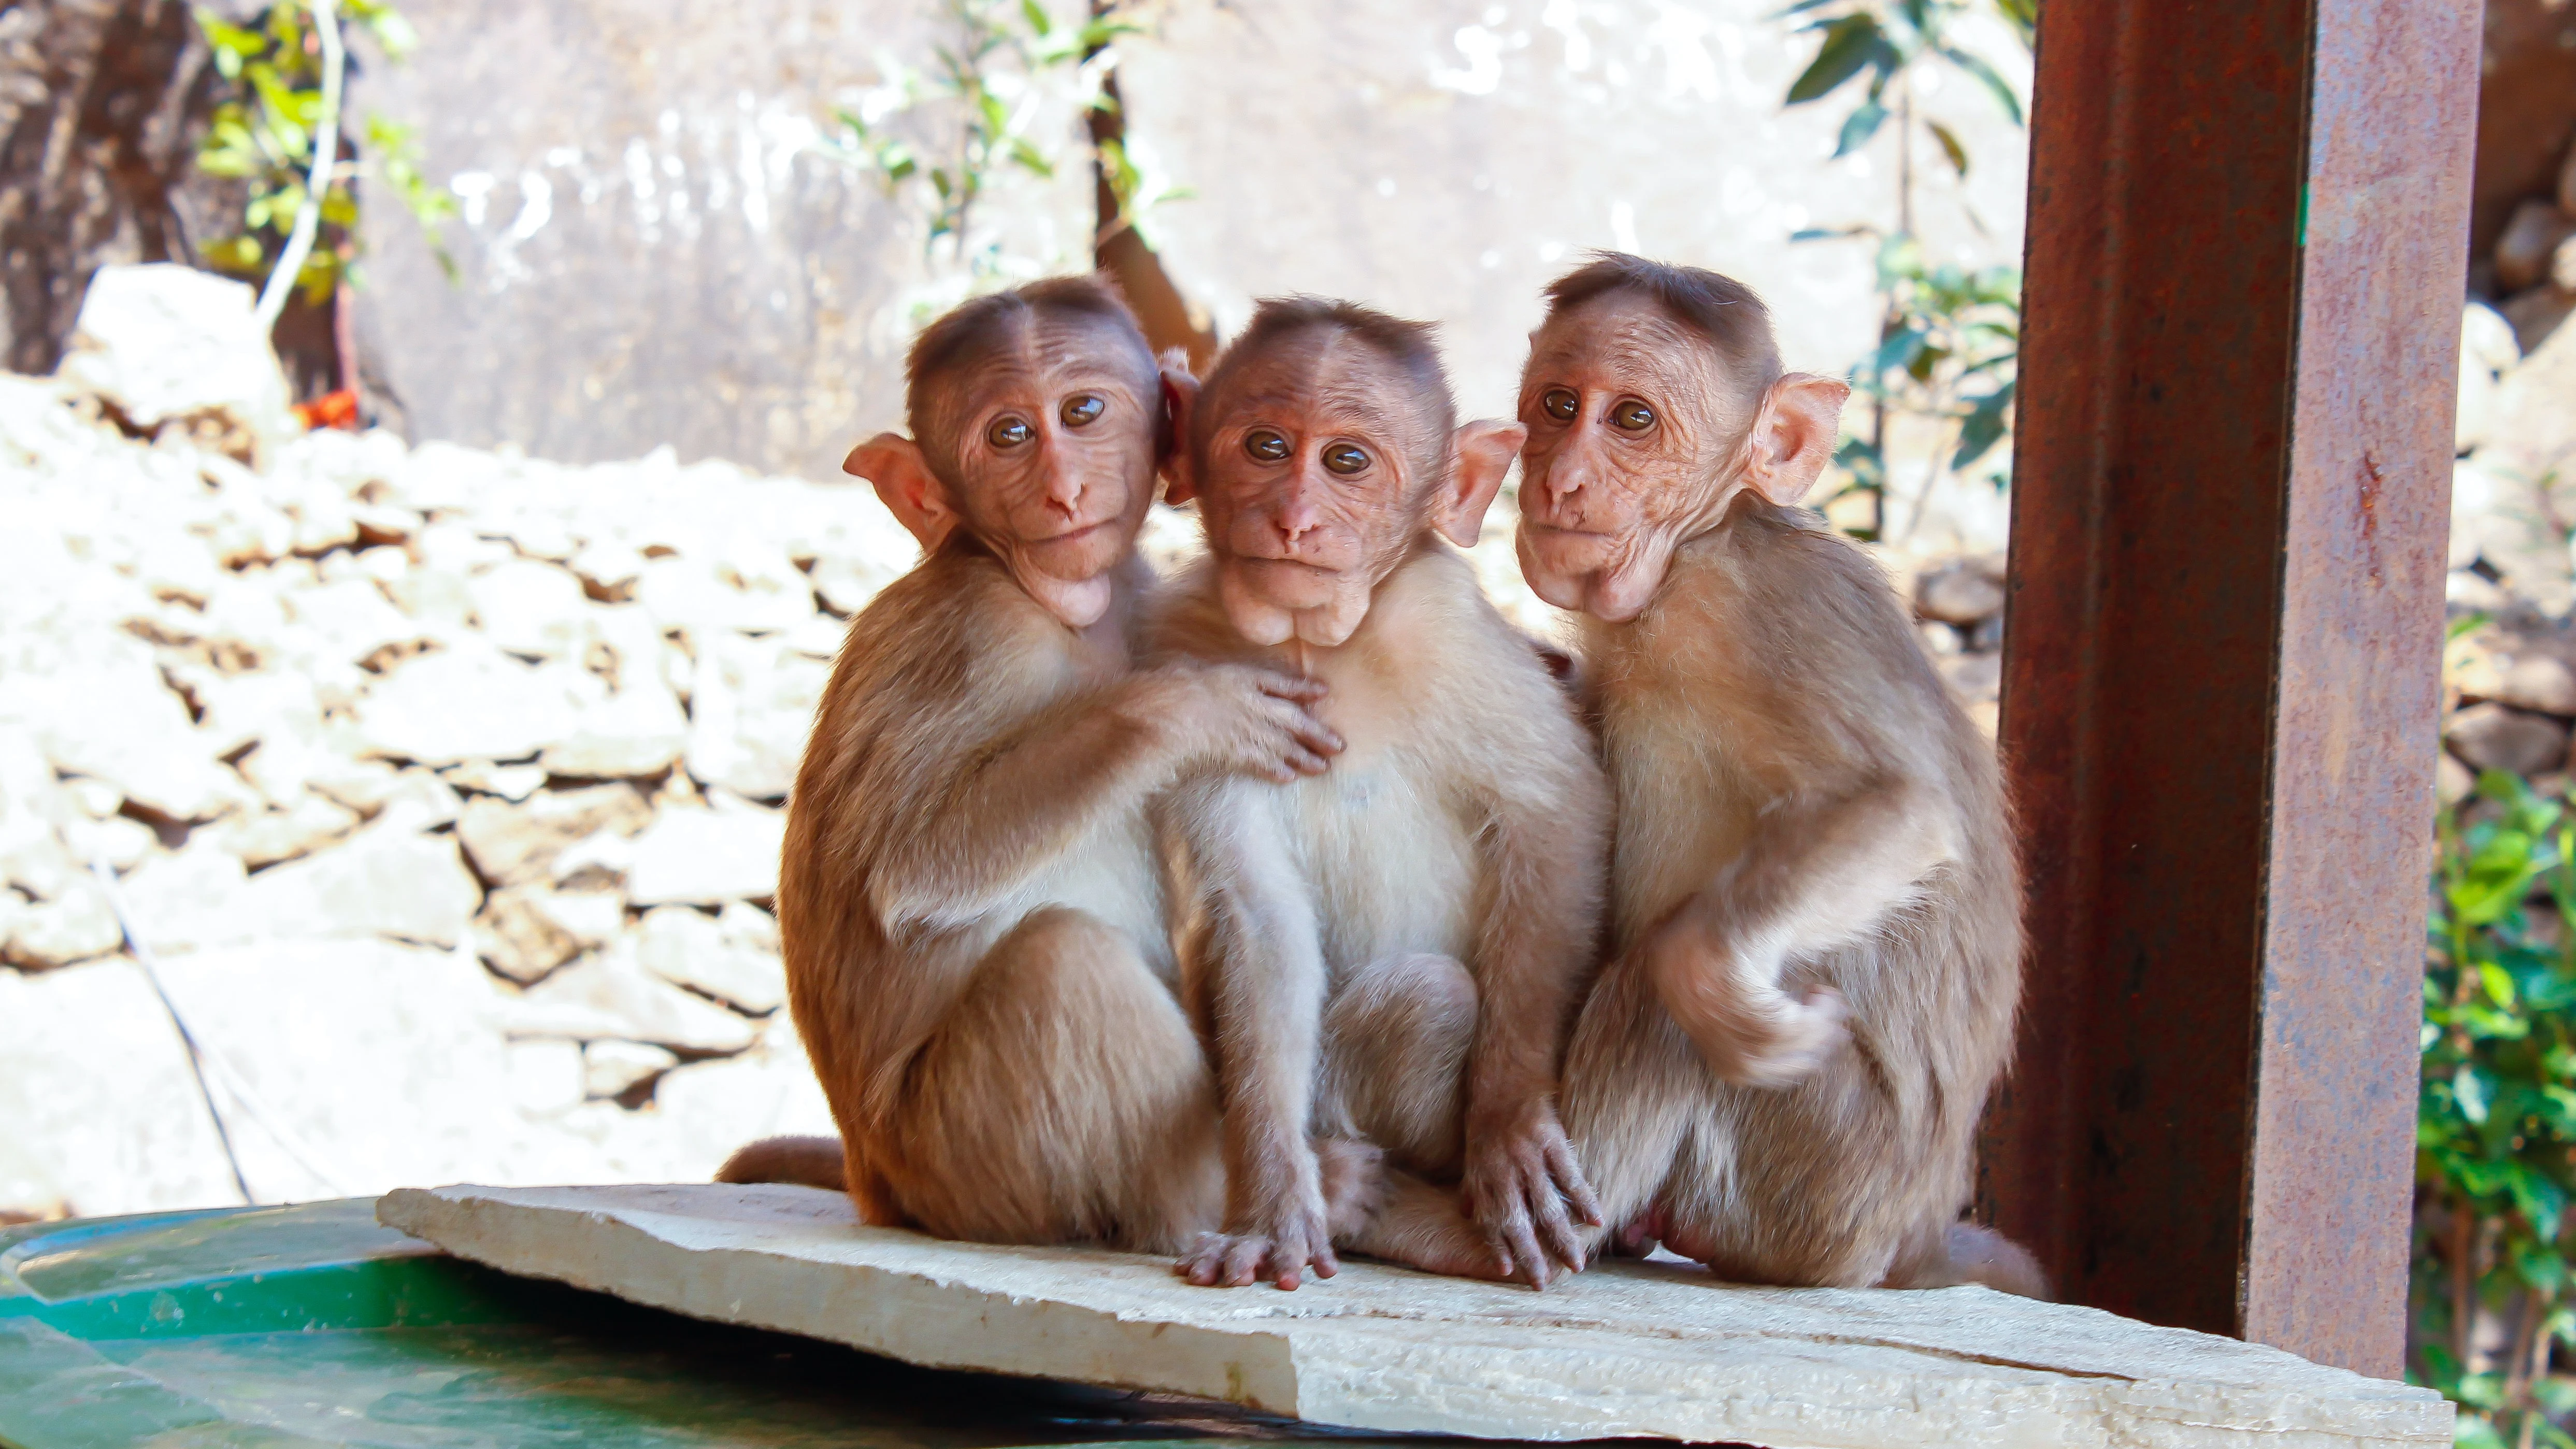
[
  {"x": 1039, "y": 418},
  {"x": 1653, "y": 397},
  {"x": 1323, "y": 451}
]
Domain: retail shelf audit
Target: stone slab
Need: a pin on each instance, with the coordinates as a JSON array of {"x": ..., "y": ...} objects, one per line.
[{"x": 1627, "y": 1349}]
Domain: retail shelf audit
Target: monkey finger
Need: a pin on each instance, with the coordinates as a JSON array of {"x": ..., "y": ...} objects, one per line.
[
  {"x": 1306, "y": 762},
  {"x": 1569, "y": 1182},
  {"x": 1292, "y": 686},
  {"x": 1547, "y": 1212},
  {"x": 1244, "y": 1260}
]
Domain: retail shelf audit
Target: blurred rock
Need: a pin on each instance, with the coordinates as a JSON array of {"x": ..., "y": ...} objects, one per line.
[
  {"x": 385, "y": 881},
  {"x": 516, "y": 844},
  {"x": 2540, "y": 683},
  {"x": 2496, "y": 737},
  {"x": 702, "y": 857},
  {"x": 613, "y": 1068},
  {"x": 689, "y": 948},
  {"x": 517, "y": 939},
  {"x": 1962, "y": 592},
  {"x": 2530, "y": 238},
  {"x": 166, "y": 343},
  {"x": 609, "y": 997},
  {"x": 467, "y": 704},
  {"x": 639, "y": 730}
]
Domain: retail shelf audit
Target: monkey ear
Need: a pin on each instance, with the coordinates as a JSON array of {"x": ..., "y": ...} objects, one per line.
[
  {"x": 1482, "y": 453},
  {"x": 904, "y": 483},
  {"x": 1172, "y": 443},
  {"x": 1793, "y": 436}
]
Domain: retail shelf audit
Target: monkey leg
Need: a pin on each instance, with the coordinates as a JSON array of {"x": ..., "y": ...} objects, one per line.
[
  {"x": 1065, "y": 1099},
  {"x": 1635, "y": 1093},
  {"x": 1395, "y": 1045}
]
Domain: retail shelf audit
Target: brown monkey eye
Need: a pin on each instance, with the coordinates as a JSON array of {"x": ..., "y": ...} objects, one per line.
[
  {"x": 1560, "y": 404},
  {"x": 1265, "y": 444},
  {"x": 1009, "y": 432},
  {"x": 1080, "y": 410},
  {"x": 1632, "y": 416},
  {"x": 1346, "y": 458}
]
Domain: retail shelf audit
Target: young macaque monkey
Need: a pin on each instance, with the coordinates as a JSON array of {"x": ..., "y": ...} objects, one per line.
[
  {"x": 1815, "y": 905},
  {"x": 1389, "y": 953},
  {"x": 971, "y": 897}
]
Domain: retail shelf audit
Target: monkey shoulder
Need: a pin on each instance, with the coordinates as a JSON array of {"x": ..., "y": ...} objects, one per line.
[
  {"x": 1185, "y": 618},
  {"x": 953, "y": 641},
  {"x": 1484, "y": 682}
]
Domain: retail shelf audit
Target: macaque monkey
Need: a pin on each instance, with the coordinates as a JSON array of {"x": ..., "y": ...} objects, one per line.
[
  {"x": 1815, "y": 949},
  {"x": 1388, "y": 954},
  {"x": 971, "y": 898}
]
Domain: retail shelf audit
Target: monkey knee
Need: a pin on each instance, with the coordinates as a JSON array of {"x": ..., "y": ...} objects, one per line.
[{"x": 1427, "y": 1002}]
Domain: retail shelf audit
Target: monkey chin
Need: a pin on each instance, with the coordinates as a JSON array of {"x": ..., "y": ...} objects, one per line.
[
  {"x": 1612, "y": 577},
  {"x": 1270, "y": 601}
]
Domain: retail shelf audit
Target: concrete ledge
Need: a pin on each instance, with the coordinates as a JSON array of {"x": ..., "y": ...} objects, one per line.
[{"x": 1627, "y": 1349}]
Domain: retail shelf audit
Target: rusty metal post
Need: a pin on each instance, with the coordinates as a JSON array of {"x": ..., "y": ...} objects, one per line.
[{"x": 2248, "y": 233}]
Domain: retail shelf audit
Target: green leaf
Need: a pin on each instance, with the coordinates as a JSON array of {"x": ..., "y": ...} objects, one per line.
[
  {"x": 1975, "y": 65},
  {"x": 1983, "y": 427},
  {"x": 1859, "y": 127},
  {"x": 2541, "y": 1202},
  {"x": 2473, "y": 1090},
  {"x": 1950, "y": 147},
  {"x": 1039, "y": 22},
  {"x": 1850, "y": 43}
]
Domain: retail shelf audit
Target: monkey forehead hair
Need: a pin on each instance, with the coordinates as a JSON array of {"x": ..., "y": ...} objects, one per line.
[
  {"x": 1721, "y": 311},
  {"x": 996, "y": 326},
  {"x": 1306, "y": 329}
]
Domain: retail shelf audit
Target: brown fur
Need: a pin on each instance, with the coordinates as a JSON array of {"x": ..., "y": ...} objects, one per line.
[
  {"x": 1853, "y": 1175},
  {"x": 1390, "y": 951},
  {"x": 1815, "y": 921}
]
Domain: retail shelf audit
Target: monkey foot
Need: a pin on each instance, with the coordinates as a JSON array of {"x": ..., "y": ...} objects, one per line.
[{"x": 1238, "y": 1260}]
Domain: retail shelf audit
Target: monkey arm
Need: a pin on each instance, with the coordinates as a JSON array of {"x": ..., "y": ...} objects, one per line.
[
  {"x": 1815, "y": 871},
  {"x": 1544, "y": 855},
  {"x": 1002, "y": 813}
]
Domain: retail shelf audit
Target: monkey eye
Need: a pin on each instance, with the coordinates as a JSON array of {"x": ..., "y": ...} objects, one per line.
[
  {"x": 1267, "y": 444},
  {"x": 1630, "y": 415},
  {"x": 1081, "y": 409},
  {"x": 1560, "y": 404},
  {"x": 1346, "y": 458},
  {"x": 1009, "y": 431}
]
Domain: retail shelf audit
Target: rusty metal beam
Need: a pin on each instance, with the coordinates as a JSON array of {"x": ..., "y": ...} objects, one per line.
[{"x": 2247, "y": 243}]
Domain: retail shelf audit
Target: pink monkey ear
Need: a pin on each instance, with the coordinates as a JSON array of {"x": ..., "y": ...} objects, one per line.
[
  {"x": 1484, "y": 453},
  {"x": 895, "y": 465},
  {"x": 1793, "y": 436},
  {"x": 1180, "y": 399}
]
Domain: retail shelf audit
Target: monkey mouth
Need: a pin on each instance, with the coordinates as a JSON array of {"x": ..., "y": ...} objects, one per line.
[
  {"x": 1289, "y": 583},
  {"x": 1074, "y": 534}
]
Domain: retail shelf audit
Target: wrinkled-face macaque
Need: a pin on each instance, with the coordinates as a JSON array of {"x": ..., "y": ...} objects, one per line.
[
  {"x": 1815, "y": 906},
  {"x": 1386, "y": 954},
  {"x": 970, "y": 897}
]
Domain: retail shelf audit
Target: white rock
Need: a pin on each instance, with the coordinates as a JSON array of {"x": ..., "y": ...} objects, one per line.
[
  {"x": 272, "y": 836},
  {"x": 612, "y": 1068},
  {"x": 688, "y": 948},
  {"x": 608, "y": 996},
  {"x": 1627, "y": 1349},
  {"x": 531, "y": 608},
  {"x": 639, "y": 730},
  {"x": 118, "y": 722},
  {"x": 386, "y": 881},
  {"x": 76, "y": 925},
  {"x": 701, "y": 857},
  {"x": 517, "y": 844},
  {"x": 703, "y": 596},
  {"x": 190, "y": 901},
  {"x": 547, "y": 1076},
  {"x": 518, "y": 939},
  {"x": 459, "y": 705},
  {"x": 103, "y": 1114},
  {"x": 165, "y": 341},
  {"x": 416, "y": 801},
  {"x": 752, "y": 707},
  {"x": 511, "y": 782}
]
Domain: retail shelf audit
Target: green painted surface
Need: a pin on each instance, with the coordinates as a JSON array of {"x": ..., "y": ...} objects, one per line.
[{"x": 311, "y": 1326}]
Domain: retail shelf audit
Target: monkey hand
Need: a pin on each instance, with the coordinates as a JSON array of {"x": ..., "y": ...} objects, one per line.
[
  {"x": 1749, "y": 1030},
  {"x": 1295, "y": 1238},
  {"x": 1526, "y": 1193},
  {"x": 1239, "y": 718}
]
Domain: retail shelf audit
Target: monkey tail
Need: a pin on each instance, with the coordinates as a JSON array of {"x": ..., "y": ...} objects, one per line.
[
  {"x": 1982, "y": 1255},
  {"x": 804, "y": 1161}
]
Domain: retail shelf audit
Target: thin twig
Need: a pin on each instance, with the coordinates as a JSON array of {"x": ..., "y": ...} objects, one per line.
[
  {"x": 187, "y": 1038},
  {"x": 326, "y": 154}
]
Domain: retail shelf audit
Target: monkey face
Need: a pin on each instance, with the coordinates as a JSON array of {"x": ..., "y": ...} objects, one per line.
[
  {"x": 1312, "y": 482},
  {"x": 1631, "y": 436},
  {"x": 1052, "y": 446}
]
